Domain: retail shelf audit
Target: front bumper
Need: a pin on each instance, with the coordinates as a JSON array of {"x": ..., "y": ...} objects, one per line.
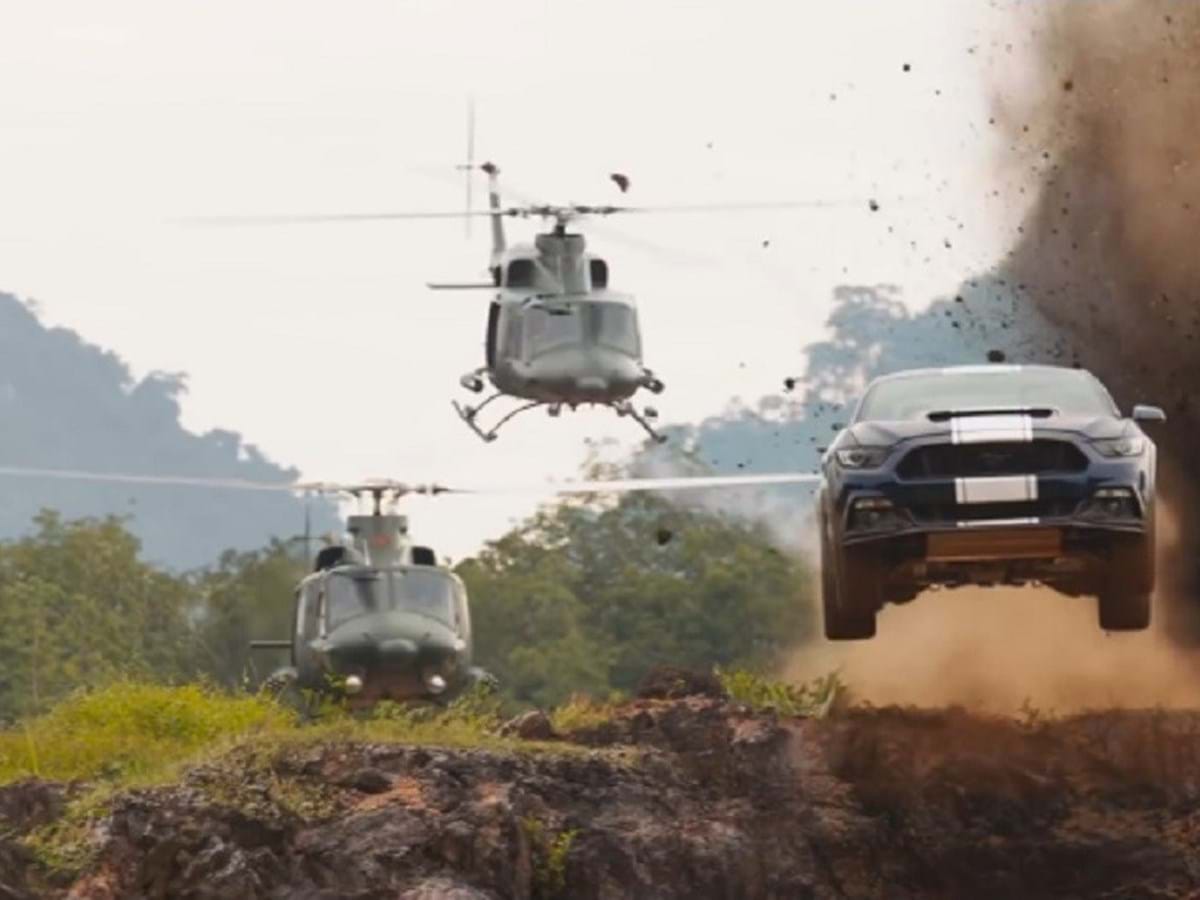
[{"x": 1051, "y": 516}]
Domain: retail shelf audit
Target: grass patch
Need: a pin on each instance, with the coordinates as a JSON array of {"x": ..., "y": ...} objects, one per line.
[
  {"x": 813, "y": 699},
  {"x": 64, "y": 847},
  {"x": 550, "y": 852},
  {"x": 581, "y": 713},
  {"x": 129, "y": 730}
]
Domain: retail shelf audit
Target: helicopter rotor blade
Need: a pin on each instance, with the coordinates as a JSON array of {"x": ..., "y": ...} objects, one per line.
[
  {"x": 339, "y": 218},
  {"x": 399, "y": 488},
  {"x": 237, "y": 484},
  {"x": 529, "y": 211},
  {"x": 630, "y": 485},
  {"x": 711, "y": 207}
]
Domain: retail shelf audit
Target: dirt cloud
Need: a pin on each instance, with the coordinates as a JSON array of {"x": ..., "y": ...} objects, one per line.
[
  {"x": 1001, "y": 649},
  {"x": 1109, "y": 252}
]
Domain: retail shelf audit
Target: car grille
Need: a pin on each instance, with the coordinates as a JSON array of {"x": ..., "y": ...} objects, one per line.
[
  {"x": 981, "y": 460},
  {"x": 947, "y": 513}
]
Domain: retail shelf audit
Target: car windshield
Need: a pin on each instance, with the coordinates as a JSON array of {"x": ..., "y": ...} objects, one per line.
[
  {"x": 615, "y": 326},
  {"x": 1069, "y": 391},
  {"x": 429, "y": 593},
  {"x": 550, "y": 327}
]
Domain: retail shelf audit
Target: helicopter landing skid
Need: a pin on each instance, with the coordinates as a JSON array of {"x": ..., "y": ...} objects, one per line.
[
  {"x": 469, "y": 415},
  {"x": 627, "y": 409}
]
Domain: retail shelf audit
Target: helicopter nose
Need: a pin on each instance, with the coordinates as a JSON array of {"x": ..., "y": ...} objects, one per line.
[
  {"x": 397, "y": 650},
  {"x": 591, "y": 386}
]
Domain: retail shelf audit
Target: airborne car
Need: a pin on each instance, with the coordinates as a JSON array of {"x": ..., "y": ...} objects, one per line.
[{"x": 988, "y": 475}]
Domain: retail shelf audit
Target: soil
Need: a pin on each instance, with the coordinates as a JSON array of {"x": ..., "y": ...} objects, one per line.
[{"x": 692, "y": 796}]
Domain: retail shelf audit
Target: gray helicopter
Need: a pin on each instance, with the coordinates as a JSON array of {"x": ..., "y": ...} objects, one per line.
[
  {"x": 557, "y": 335},
  {"x": 379, "y": 618}
]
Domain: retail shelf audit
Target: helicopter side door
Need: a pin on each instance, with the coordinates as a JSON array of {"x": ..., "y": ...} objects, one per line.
[
  {"x": 493, "y": 334},
  {"x": 307, "y": 630},
  {"x": 512, "y": 327},
  {"x": 462, "y": 615}
]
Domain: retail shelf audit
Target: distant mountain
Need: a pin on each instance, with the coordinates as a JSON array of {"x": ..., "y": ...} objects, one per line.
[{"x": 67, "y": 404}]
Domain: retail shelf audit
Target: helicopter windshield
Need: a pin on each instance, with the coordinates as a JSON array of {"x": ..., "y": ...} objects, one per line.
[
  {"x": 551, "y": 327},
  {"x": 615, "y": 326},
  {"x": 408, "y": 590}
]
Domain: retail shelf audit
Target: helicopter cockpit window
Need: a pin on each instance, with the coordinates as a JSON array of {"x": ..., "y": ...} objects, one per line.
[
  {"x": 550, "y": 327},
  {"x": 616, "y": 327},
  {"x": 427, "y": 593},
  {"x": 520, "y": 274},
  {"x": 346, "y": 598},
  {"x": 598, "y": 269}
]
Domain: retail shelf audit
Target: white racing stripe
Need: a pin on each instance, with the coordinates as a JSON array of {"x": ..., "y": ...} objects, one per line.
[
  {"x": 1002, "y": 489},
  {"x": 999, "y": 523},
  {"x": 1004, "y": 428}
]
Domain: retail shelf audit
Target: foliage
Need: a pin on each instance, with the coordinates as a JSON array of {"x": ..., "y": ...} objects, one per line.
[
  {"x": 549, "y": 858},
  {"x": 580, "y": 713},
  {"x": 585, "y": 599},
  {"x": 131, "y": 729},
  {"x": 245, "y": 596},
  {"x": 78, "y": 607},
  {"x": 470, "y": 719},
  {"x": 812, "y": 700}
]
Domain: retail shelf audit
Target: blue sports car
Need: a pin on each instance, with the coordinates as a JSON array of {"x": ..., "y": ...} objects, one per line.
[{"x": 988, "y": 475}]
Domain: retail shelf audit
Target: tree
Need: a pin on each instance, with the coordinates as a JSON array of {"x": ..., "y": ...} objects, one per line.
[
  {"x": 589, "y": 597},
  {"x": 246, "y": 596},
  {"x": 78, "y": 607}
]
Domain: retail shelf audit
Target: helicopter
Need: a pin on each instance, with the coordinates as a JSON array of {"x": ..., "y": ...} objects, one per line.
[
  {"x": 557, "y": 335},
  {"x": 379, "y": 618}
]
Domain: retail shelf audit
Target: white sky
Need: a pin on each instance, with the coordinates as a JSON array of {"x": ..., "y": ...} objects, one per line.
[{"x": 321, "y": 343}]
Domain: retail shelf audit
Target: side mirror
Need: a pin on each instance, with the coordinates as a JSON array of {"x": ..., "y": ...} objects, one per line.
[{"x": 1143, "y": 413}]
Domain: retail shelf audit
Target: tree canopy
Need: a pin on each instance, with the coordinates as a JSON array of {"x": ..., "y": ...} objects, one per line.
[{"x": 587, "y": 598}]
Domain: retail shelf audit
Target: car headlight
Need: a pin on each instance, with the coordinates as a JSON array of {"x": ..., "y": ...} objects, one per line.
[
  {"x": 1122, "y": 446},
  {"x": 863, "y": 457}
]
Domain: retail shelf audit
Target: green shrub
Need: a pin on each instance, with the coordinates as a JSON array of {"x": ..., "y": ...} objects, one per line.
[
  {"x": 813, "y": 699},
  {"x": 131, "y": 729},
  {"x": 550, "y": 854},
  {"x": 581, "y": 713}
]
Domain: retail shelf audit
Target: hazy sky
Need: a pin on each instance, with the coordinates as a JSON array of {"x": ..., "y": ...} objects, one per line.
[{"x": 321, "y": 343}]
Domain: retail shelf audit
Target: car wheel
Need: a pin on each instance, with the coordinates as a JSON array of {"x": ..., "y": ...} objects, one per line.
[
  {"x": 1124, "y": 599},
  {"x": 1124, "y": 611},
  {"x": 849, "y": 595}
]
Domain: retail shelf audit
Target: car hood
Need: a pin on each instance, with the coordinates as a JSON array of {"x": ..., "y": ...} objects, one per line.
[{"x": 889, "y": 433}]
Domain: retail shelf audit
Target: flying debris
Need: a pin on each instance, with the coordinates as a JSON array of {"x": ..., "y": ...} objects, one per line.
[{"x": 622, "y": 181}]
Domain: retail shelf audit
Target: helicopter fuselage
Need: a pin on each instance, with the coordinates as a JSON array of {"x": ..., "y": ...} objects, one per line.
[
  {"x": 395, "y": 633},
  {"x": 568, "y": 349},
  {"x": 557, "y": 336}
]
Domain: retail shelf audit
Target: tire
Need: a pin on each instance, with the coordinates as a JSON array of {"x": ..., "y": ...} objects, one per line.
[
  {"x": 1124, "y": 611},
  {"x": 850, "y": 594},
  {"x": 1124, "y": 603},
  {"x": 1124, "y": 599}
]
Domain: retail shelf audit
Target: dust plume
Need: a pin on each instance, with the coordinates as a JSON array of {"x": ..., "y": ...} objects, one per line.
[
  {"x": 998, "y": 649},
  {"x": 1109, "y": 252}
]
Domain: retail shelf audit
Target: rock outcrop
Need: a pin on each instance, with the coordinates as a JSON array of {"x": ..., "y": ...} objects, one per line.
[{"x": 690, "y": 797}]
